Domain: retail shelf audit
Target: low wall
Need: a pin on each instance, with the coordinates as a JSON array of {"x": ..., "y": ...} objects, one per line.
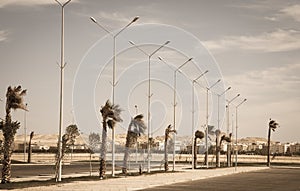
[{"x": 50, "y": 158}]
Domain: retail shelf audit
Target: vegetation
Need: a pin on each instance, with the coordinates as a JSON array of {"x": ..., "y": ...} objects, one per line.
[
  {"x": 29, "y": 147},
  {"x": 111, "y": 114},
  {"x": 68, "y": 139},
  {"x": 167, "y": 136},
  {"x": 198, "y": 135},
  {"x": 136, "y": 128},
  {"x": 14, "y": 100}
]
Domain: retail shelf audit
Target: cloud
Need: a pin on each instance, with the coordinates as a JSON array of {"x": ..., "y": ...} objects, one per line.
[
  {"x": 269, "y": 85},
  {"x": 3, "y": 35},
  {"x": 292, "y": 11},
  {"x": 4, "y": 3},
  {"x": 276, "y": 41}
]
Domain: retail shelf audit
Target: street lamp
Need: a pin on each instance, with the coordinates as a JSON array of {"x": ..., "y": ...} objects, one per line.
[
  {"x": 114, "y": 36},
  {"x": 236, "y": 131},
  {"x": 228, "y": 145},
  {"x": 217, "y": 139},
  {"x": 174, "y": 104},
  {"x": 206, "y": 134},
  {"x": 62, "y": 66},
  {"x": 149, "y": 90},
  {"x": 193, "y": 114}
]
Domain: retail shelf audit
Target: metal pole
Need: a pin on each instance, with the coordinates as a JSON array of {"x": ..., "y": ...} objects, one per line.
[
  {"x": 206, "y": 134},
  {"x": 236, "y": 136},
  {"x": 193, "y": 122},
  {"x": 136, "y": 145},
  {"x": 228, "y": 144},
  {"x": 113, "y": 102},
  {"x": 149, "y": 97},
  {"x": 217, "y": 138},
  {"x": 149, "y": 93},
  {"x": 25, "y": 133},
  {"x": 174, "y": 120},
  {"x": 62, "y": 65},
  {"x": 114, "y": 79},
  {"x": 228, "y": 126},
  {"x": 206, "y": 131},
  {"x": 175, "y": 104},
  {"x": 236, "y": 132}
]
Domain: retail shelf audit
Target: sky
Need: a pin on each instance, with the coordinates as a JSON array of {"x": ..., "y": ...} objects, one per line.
[{"x": 252, "y": 46}]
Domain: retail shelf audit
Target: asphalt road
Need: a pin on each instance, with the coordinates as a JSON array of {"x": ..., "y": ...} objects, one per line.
[
  {"x": 27, "y": 170},
  {"x": 275, "y": 179}
]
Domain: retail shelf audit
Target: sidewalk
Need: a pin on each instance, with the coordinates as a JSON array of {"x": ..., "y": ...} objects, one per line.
[{"x": 145, "y": 181}]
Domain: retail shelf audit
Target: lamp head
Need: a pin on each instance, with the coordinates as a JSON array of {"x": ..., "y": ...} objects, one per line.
[
  {"x": 135, "y": 19},
  {"x": 132, "y": 43},
  {"x": 93, "y": 19}
]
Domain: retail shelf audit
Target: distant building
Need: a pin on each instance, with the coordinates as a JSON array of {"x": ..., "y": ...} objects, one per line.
[{"x": 295, "y": 148}]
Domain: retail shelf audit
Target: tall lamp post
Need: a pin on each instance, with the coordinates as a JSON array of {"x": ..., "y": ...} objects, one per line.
[
  {"x": 62, "y": 66},
  {"x": 174, "y": 104},
  {"x": 206, "y": 133},
  {"x": 228, "y": 119},
  {"x": 149, "y": 90},
  {"x": 193, "y": 114},
  {"x": 217, "y": 139},
  {"x": 236, "y": 131},
  {"x": 114, "y": 36}
]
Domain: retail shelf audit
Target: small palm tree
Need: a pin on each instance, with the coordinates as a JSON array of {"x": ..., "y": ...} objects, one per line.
[
  {"x": 136, "y": 128},
  {"x": 68, "y": 139},
  {"x": 228, "y": 140},
  {"x": 14, "y": 100},
  {"x": 111, "y": 114},
  {"x": 167, "y": 136},
  {"x": 29, "y": 147},
  {"x": 198, "y": 135}
]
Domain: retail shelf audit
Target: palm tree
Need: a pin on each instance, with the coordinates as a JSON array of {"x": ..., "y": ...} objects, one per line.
[
  {"x": 167, "y": 136},
  {"x": 29, "y": 147},
  {"x": 14, "y": 100},
  {"x": 111, "y": 114},
  {"x": 68, "y": 139},
  {"x": 198, "y": 135},
  {"x": 135, "y": 129},
  {"x": 228, "y": 140}
]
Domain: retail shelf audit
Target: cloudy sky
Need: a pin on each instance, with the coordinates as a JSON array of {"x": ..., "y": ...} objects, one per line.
[{"x": 254, "y": 46}]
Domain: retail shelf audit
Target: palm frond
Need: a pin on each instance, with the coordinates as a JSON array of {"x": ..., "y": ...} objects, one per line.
[
  {"x": 199, "y": 135},
  {"x": 117, "y": 113},
  {"x": 137, "y": 125},
  {"x": 14, "y": 98},
  {"x": 111, "y": 111}
]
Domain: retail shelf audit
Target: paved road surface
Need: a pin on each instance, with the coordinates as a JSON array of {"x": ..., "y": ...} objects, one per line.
[
  {"x": 28, "y": 170},
  {"x": 275, "y": 179}
]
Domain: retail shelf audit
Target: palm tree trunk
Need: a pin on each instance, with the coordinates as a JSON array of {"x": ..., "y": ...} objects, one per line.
[
  {"x": 29, "y": 148},
  {"x": 130, "y": 140},
  {"x": 102, "y": 168},
  {"x": 195, "y": 153},
  {"x": 8, "y": 132},
  {"x": 269, "y": 141},
  {"x": 218, "y": 151},
  {"x": 166, "y": 154}
]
